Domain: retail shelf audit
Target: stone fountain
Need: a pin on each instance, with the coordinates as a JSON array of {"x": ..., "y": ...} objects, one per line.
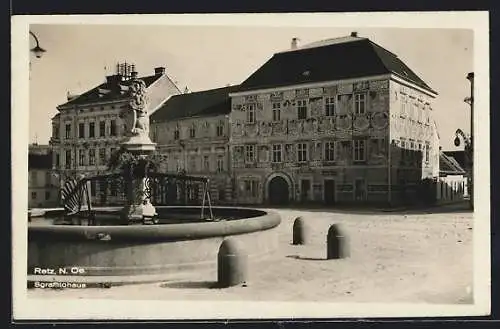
[
  {"x": 103, "y": 249},
  {"x": 138, "y": 143}
]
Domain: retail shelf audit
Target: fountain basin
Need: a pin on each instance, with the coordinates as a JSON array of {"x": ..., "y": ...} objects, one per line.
[{"x": 112, "y": 249}]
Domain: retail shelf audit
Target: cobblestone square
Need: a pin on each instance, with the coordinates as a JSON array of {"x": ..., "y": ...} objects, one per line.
[{"x": 414, "y": 257}]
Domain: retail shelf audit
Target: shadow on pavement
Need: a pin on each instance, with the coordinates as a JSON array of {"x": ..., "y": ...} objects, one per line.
[
  {"x": 459, "y": 207},
  {"x": 305, "y": 258}
]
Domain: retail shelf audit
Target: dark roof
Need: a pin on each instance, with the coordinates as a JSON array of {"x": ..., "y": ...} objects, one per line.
[
  {"x": 459, "y": 156},
  {"x": 39, "y": 161},
  {"x": 449, "y": 166},
  {"x": 112, "y": 86},
  {"x": 201, "y": 103},
  {"x": 358, "y": 57}
]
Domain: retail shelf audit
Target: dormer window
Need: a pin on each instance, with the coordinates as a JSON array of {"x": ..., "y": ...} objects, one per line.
[
  {"x": 176, "y": 133},
  {"x": 192, "y": 131}
]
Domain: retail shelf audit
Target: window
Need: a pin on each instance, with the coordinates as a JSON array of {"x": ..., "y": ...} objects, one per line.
[
  {"x": 92, "y": 157},
  {"x": 330, "y": 106},
  {"x": 57, "y": 159},
  {"x": 113, "y": 190},
  {"x": 419, "y": 116},
  {"x": 220, "y": 129},
  {"x": 34, "y": 178},
  {"x": 91, "y": 129},
  {"x": 102, "y": 128},
  {"x": 192, "y": 163},
  {"x": 68, "y": 130},
  {"x": 220, "y": 163},
  {"x": 33, "y": 195},
  {"x": 68, "y": 159},
  {"x": 251, "y": 188},
  {"x": 112, "y": 151},
  {"x": 330, "y": 151},
  {"x": 92, "y": 187},
  {"x": 403, "y": 149},
  {"x": 251, "y": 113},
  {"x": 427, "y": 147},
  {"x": 412, "y": 111},
  {"x": 276, "y": 111},
  {"x": 178, "y": 164},
  {"x": 359, "y": 150},
  {"x": 302, "y": 109},
  {"x": 302, "y": 152},
  {"x": 47, "y": 195},
  {"x": 222, "y": 194},
  {"x": 359, "y": 103},
  {"x": 249, "y": 153},
  {"x": 55, "y": 132},
  {"x": 403, "y": 106},
  {"x": 81, "y": 157},
  {"x": 112, "y": 128},
  {"x": 192, "y": 131},
  {"x": 102, "y": 156},
  {"x": 206, "y": 163},
  {"x": 81, "y": 130},
  {"x": 176, "y": 133},
  {"x": 277, "y": 153}
]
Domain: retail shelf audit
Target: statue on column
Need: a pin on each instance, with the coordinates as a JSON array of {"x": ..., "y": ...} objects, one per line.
[{"x": 135, "y": 115}]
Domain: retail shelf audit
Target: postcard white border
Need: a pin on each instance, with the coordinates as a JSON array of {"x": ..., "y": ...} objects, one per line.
[{"x": 25, "y": 308}]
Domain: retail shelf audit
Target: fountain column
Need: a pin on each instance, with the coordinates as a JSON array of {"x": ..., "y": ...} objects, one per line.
[{"x": 139, "y": 144}]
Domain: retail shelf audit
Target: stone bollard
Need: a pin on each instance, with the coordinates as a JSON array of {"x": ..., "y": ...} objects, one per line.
[
  {"x": 232, "y": 264},
  {"x": 299, "y": 231},
  {"x": 336, "y": 244}
]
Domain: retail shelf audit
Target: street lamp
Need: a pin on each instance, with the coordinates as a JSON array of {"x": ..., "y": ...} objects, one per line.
[
  {"x": 37, "y": 50},
  {"x": 470, "y": 149},
  {"x": 469, "y": 142}
]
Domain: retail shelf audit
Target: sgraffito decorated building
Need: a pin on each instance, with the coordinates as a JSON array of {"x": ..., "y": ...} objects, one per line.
[{"x": 337, "y": 121}]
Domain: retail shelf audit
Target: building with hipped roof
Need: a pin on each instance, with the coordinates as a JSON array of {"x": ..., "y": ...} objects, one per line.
[
  {"x": 192, "y": 133},
  {"x": 337, "y": 121}
]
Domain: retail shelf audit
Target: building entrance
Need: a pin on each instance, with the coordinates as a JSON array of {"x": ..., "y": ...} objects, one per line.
[
  {"x": 279, "y": 192},
  {"x": 329, "y": 189}
]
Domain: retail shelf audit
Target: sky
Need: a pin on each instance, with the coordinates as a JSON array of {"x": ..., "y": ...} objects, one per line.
[{"x": 79, "y": 56}]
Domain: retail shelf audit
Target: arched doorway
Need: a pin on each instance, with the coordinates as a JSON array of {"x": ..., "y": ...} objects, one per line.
[{"x": 278, "y": 191}]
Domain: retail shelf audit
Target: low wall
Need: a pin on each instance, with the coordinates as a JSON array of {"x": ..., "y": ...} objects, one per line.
[{"x": 148, "y": 249}]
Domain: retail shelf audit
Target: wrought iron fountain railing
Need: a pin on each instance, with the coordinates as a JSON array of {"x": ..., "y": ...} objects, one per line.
[{"x": 162, "y": 189}]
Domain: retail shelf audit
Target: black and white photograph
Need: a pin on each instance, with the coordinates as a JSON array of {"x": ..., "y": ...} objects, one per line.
[{"x": 250, "y": 166}]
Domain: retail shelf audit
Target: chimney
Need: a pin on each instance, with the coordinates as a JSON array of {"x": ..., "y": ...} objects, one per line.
[
  {"x": 295, "y": 43},
  {"x": 113, "y": 79},
  {"x": 354, "y": 34},
  {"x": 159, "y": 70}
]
